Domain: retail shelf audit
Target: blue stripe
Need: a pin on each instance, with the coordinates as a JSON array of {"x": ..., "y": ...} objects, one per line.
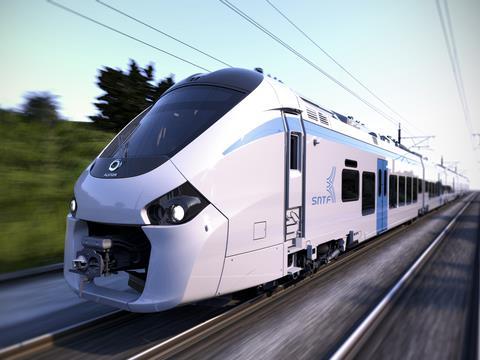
[
  {"x": 271, "y": 127},
  {"x": 294, "y": 124},
  {"x": 317, "y": 130}
]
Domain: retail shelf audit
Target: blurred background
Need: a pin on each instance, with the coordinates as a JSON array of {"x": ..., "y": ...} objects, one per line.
[
  {"x": 42, "y": 154},
  {"x": 75, "y": 72}
]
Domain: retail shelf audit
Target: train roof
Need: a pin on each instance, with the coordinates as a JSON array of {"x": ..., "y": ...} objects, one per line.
[
  {"x": 347, "y": 125},
  {"x": 234, "y": 78}
]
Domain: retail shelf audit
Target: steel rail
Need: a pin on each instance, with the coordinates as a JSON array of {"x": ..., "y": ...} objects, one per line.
[
  {"x": 30, "y": 272},
  {"x": 45, "y": 340},
  {"x": 348, "y": 346}
]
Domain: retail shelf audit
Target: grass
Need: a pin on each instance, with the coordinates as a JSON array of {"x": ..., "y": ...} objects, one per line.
[{"x": 39, "y": 164}]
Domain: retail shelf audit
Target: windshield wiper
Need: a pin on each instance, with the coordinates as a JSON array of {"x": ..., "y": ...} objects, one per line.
[{"x": 125, "y": 152}]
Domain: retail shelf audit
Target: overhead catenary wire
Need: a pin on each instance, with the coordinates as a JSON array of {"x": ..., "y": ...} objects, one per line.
[
  {"x": 162, "y": 32},
  {"x": 449, "y": 37},
  {"x": 65, "y": 8},
  {"x": 349, "y": 73},
  {"x": 457, "y": 63},
  {"x": 308, "y": 61}
]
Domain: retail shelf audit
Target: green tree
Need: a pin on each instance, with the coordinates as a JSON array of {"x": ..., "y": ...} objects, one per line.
[
  {"x": 126, "y": 94},
  {"x": 41, "y": 106}
]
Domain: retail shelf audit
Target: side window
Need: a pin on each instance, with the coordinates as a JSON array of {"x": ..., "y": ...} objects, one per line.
[
  {"x": 368, "y": 193},
  {"x": 401, "y": 190},
  {"x": 385, "y": 183},
  {"x": 415, "y": 189},
  {"x": 420, "y": 185},
  {"x": 295, "y": 151},
  {"x": 409, "y": 190},
  {"x": 379, "y": 182},
  {"x": 350, "y": 179},
  {"x": 393, "y": 191}
]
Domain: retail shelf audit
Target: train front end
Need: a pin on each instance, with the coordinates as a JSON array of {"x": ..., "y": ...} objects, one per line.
[{"x": 140, "y": 236}]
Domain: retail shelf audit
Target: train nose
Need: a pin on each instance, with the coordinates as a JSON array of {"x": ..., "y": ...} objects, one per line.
[
  {"x": 146, "y": 268},
  {"x": 122, "y": 201}
]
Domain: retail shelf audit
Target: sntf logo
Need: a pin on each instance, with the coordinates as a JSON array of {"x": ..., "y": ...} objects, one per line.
[{"x": 329, "y": 197}]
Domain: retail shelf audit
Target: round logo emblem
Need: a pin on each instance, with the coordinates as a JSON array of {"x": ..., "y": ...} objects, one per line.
[{"x": 115, "y": 165}]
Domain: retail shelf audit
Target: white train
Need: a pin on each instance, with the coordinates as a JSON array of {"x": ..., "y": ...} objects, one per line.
[{"x": 232, "y": 180}]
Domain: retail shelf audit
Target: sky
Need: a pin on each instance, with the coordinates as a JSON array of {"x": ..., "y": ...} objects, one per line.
[{"x": 395, "y": 48}]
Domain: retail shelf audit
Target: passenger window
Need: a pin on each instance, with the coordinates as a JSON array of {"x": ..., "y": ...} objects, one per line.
[
  {"x": 379, "y": 182},
  {"x": 350, "y": 179},
  {"x": 401, "y": 190},
  {"x": 351, "y": 163},
  {"x": 295, "y": 151},
  {"x": 409, "y": 190},
  {"x": 415, "y": 189},
  {"x": 420, "y": 185},
  {"x": 368, "y": 193},
  {"x": 385, "y": 183},
  {"x": 393, "y": 191}
]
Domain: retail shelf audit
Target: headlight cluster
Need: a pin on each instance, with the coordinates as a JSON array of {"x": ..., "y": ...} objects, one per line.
[{"x": 176, "y": 207}]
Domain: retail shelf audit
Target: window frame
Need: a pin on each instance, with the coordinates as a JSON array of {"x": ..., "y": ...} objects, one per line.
[
  {"x": 409, "y": 190},
  {"x": 368, "y": 204},
  {"x": 401, "y": 199},
  {"x": 415, "y": 190},
  {"x": 385, "y": 182},
  {"x": 395, "y": 186},
  {"x": 379, "y": 184},
  {"x": 295, "y": 160},
  {"x": 357, "y": 185}
]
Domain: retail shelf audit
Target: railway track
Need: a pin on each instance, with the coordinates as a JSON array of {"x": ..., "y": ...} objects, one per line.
[
  {"x": 31, "y": 347},
  {"x": 65, "y": 343},
  {"x": 352, "y": 345},
  {"x": 28, "y": 273},
  {"x": 170, "y": 347}
]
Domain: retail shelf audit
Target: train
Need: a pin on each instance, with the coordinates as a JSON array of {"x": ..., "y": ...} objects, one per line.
[{"x": 231, "y": 181}]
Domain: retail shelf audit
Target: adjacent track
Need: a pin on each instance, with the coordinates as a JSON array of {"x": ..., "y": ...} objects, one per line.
[{"x": 358, "y": 337}]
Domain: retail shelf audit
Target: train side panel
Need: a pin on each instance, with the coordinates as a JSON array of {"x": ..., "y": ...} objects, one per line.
[
  {"x": 329, "y": 214},
  {"x": 404, "y": 169}
]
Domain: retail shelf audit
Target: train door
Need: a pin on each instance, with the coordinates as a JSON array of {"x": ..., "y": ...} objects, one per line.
[
  {"x": 382, "y": 200},
  {"x": 294, "y": 177}
]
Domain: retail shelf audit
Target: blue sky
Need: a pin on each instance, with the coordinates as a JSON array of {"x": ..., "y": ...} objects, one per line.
[{"x": 395, "y": 47}]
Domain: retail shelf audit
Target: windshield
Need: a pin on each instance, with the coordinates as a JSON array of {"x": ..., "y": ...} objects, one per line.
[{"x": 173, "y": 122}]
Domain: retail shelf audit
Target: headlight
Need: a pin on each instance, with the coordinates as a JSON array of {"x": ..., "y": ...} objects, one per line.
[
  {"x": 73, "y": 206},
  {"x": 176, "y": 207},
  {"x": 177, "y": 213}
]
